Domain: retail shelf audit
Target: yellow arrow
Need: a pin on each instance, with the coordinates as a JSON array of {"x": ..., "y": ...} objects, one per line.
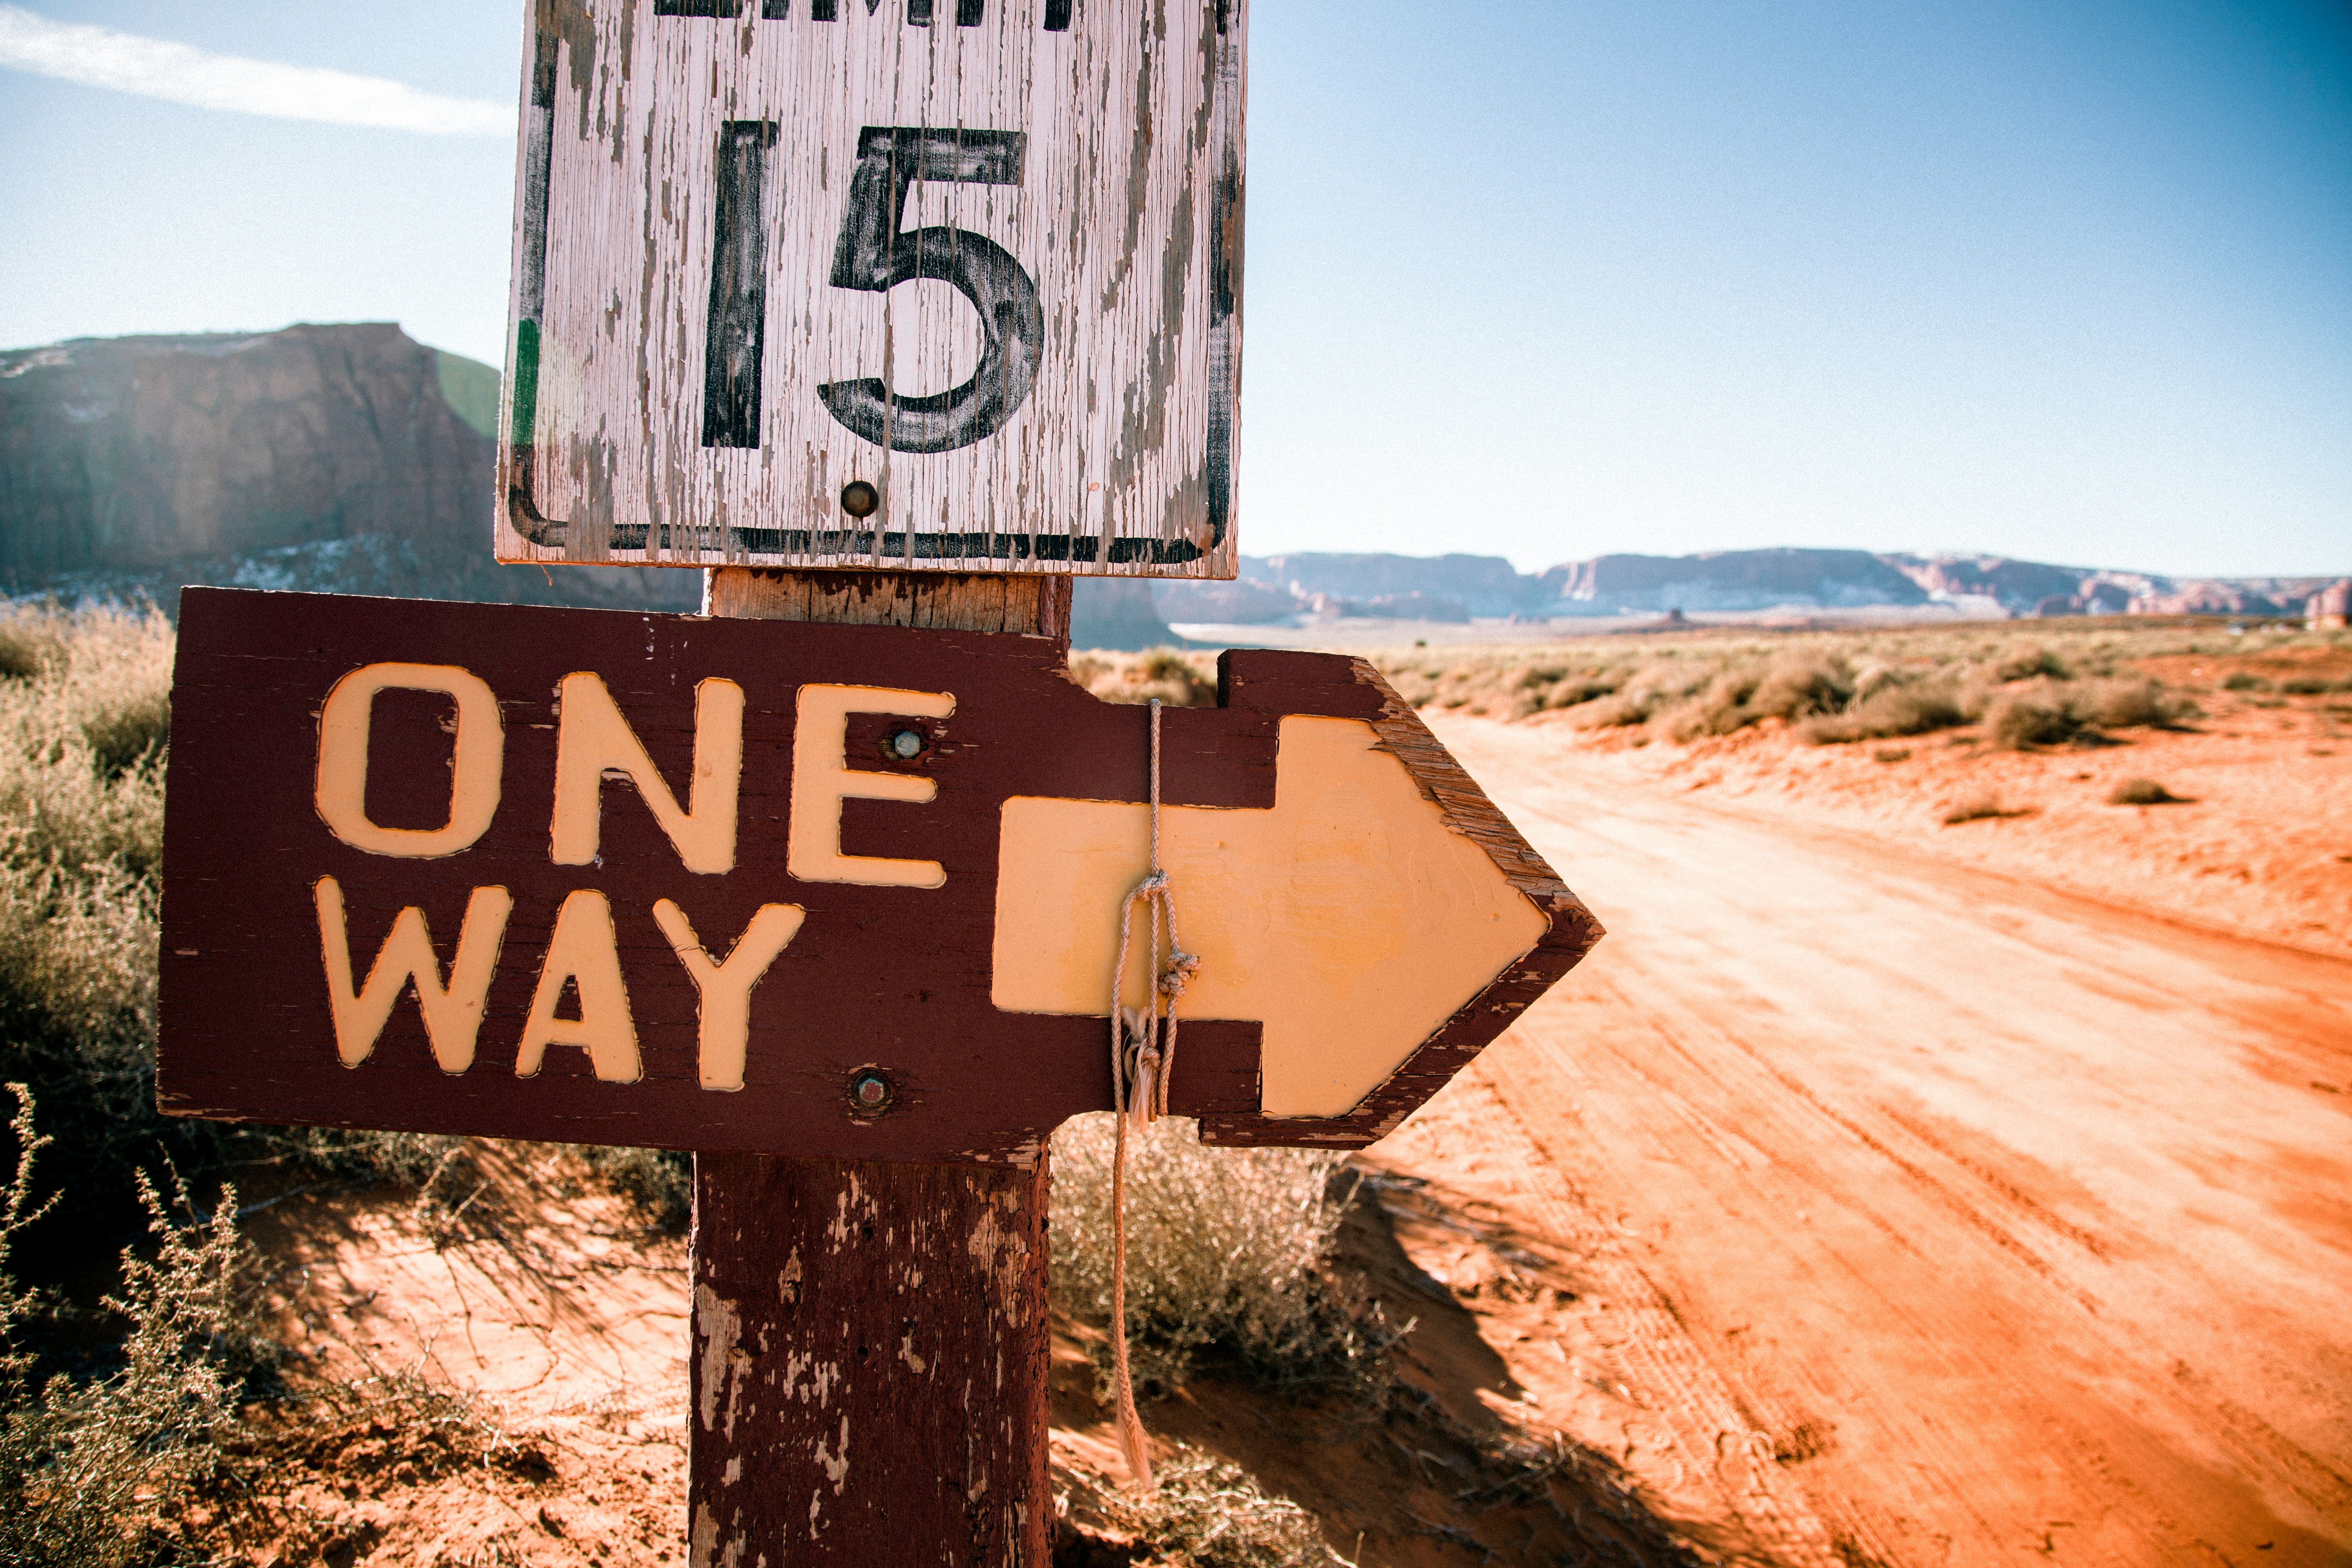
[{"x": 1350, "y": 920}]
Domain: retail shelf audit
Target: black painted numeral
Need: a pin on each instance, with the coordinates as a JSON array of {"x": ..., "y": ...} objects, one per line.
[
  {"x": 875, "y": 254},
  {"x": 968, "y": 13},
  {"x": 739, "y": 288}
]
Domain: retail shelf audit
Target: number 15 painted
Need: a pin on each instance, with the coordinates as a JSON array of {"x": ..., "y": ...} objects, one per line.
[{"x": 874, "y": 252}]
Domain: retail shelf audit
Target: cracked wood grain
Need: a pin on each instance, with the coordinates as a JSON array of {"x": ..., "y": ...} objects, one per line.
[{"x": 869, "y": 1360}]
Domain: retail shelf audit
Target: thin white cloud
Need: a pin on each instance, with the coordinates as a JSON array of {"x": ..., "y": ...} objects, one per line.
[{"x": 183, "y": 73}]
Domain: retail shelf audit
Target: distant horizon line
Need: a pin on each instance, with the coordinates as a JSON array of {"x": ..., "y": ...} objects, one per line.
[{"x": 1924, "y": 556}]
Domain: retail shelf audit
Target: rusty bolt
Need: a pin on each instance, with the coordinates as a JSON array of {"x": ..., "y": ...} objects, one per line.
[
  {"x": 859, "y": 498},
  {"x": 870, "y": 1092}
]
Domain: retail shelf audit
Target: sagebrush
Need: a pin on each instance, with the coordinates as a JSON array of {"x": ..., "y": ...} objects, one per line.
[
  {"x": 1205, "y": 1512},
  {"x": 1228, "y": 1254},
  {"x": 93, "y": 1471},
  {"x": 2049, "y": 686}
]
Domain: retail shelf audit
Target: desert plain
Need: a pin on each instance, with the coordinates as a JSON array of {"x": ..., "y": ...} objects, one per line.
[{"x": 1940, "y": 1161}]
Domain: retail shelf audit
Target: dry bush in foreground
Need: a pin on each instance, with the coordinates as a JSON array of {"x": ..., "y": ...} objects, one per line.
[
  {"x": 659, "y": 1182},
  {"x": 1226, "y": 1253},
  {"x": 1204, "y": 1513},
  {"x": 83, "y": 710},
  {"x": 92, "y": 1472}
]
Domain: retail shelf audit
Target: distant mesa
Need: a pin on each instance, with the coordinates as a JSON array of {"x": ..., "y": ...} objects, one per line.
[
  {"x": 348, "y": 459},
  {"x": 352, "y": 458}
]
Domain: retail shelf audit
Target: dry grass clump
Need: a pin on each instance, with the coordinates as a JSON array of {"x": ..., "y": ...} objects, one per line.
[
  {"x": 2142, "y": 792},
  {"x": 1832, "y": 688},
  {"x": 659, "y": 1182},
  {"x": 84, "y": 716},
  {"x": 92, "y": 1471},
  {"x": 2054, "y": 713},
  {"x": 1982, "y": 808},
  {"x": 1178, "y": 679},
  {"x": 1226, "y": 1255},
  {"x": 2028, "y": 663},
  {"x": 1204, "y": 1513},
  {"x": 182, "y": 1442}
]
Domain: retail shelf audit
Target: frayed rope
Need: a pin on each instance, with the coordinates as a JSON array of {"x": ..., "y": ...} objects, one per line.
[{"x": 1142, "y": 1058}]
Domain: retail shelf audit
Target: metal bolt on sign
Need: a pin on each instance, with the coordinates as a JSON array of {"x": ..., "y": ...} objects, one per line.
[{"x": 824, "y": 885}]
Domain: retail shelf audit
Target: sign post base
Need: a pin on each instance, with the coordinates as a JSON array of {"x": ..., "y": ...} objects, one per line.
[{"x": 869, "y": 1364}]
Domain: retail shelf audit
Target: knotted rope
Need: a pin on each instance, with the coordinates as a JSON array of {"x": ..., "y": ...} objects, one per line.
[{"x": 1142, "y": 1057}]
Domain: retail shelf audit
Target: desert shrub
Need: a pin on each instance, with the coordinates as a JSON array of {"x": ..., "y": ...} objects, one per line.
[
  {"x": 28, "y": 642},
  {"x": 2245, "y": 681},
  {"x": 1226, "y": 1252},
  {"x": 1719, "y": 709},
  {"x": 1890, "y": 711},
  {"x": 1798, "y": 685},
  {"x": 1615, "y": 711},
  {"x": 1166, "y": 673},
  {"x": 88, "y": 1470},
  {"x": 659, "y": 1182},
  {"x": 2027, "y": 664},
  {"x": 2052, "y": 713},
  {"x": 402, "y": 1159},
  {"x": 1207, "y": 1513},
  {"x": 2127, "y": 704},
  {"x": 2038, "y": 716},
  {"x": 2141, "y": 792},
  {"x": 1975, "y": 810},
  {"x": 2312, "y": 686},
  {"x": 1576, "y": 689},
  {"x": 82, "y": 817}
]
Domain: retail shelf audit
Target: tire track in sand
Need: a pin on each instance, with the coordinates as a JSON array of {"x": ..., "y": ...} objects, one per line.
[{"x": 2005, "y": 1213}]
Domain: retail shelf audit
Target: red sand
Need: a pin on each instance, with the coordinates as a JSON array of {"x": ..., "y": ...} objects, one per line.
[{"x": 1880, "y": 1192}]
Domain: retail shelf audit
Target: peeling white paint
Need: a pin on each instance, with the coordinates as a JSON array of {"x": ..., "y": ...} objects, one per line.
[
  {"x": 702, "y": 1541},
  {"x": 835, "y": 1465},
  {"x": 719, "y": 1326}
]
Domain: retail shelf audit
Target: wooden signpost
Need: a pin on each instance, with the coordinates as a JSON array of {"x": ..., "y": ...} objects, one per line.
[{"x": 896, "y": 315}]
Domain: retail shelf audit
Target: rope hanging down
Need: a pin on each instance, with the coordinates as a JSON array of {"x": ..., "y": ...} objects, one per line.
[{"x": 1142, "y": 1057}]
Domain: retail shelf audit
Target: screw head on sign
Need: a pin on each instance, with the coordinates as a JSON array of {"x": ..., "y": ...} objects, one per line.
[
  {"x": 870, "y": 1091},
  {"x": 903, "y": 745},
  {"x": 859, "y": 498}
]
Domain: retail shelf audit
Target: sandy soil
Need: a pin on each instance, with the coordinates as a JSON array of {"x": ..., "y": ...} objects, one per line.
[
  {"x": 544, "y": 1296},
  {"x": 2013, "y": 1222},
  {"x": 1880, "y": 1193},
  {"x": 2260, "y": 844}
]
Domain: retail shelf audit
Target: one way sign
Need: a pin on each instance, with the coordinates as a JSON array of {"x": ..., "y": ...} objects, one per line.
[{"x": 842, "y": 892}]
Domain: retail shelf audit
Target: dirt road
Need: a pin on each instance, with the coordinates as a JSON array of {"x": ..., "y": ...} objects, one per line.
[{"x": 2010, "y": 1225}]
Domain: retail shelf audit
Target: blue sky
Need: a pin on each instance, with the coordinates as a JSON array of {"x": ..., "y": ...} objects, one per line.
[{"x": 2070, "y": 281}]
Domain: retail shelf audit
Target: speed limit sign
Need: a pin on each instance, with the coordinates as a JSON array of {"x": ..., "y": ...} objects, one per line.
[{"x": 913, "y": 284}]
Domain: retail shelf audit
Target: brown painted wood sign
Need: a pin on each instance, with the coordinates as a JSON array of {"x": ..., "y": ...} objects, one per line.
[
  {"x": 835, "y": 891},
  {"x": 913, "y": 284}
]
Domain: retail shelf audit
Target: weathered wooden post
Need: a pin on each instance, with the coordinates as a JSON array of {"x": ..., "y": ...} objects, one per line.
[
  {"x": 824, "y": 885},
  {"x": 870, "y": 1339}
]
